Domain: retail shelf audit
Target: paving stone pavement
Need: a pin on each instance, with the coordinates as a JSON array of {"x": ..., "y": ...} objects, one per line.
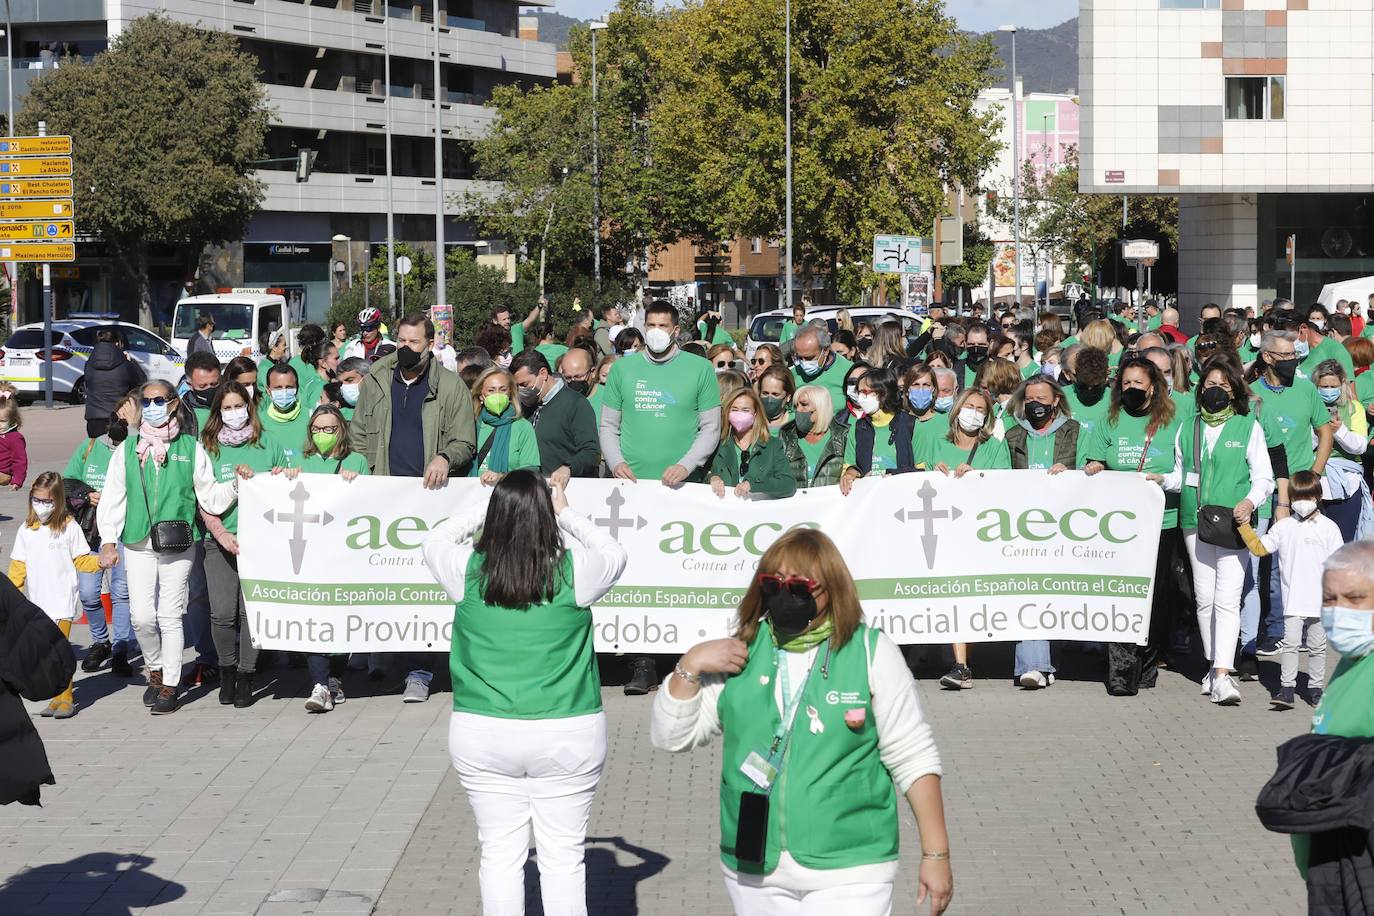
[{"x": 1063, "y": 801}]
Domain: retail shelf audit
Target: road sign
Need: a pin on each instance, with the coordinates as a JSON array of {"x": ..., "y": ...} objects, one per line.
[
  {"x": 403, "y": 265},
  {"x": 57, "y": 229},
  {"x": 1139, "y": 250},
  {"x": 902, "y": 254},
  {"x": 57, "y": 166},
  {"x": 36, "y": 187},
  {"x": 35, "y": 209},
  {"x": 36, "y": 251},
  {"x": 36, "y": 146}
]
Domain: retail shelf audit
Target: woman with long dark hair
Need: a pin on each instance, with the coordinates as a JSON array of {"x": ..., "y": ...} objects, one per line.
[
  {"x": 881, "y": 439},
  {"x": 528, "y": 735}
]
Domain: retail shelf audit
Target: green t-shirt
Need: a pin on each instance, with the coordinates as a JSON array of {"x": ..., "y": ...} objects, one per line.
[
  {"x": 594, "y": 399},
  {"x": 523, "y": 449},
  {"x": 884, "y": 449},
  {"x": 1294, "y": 413},
  {"x": 1086, "y": 415},
  {"x": 1120, "y": 444},
  {"x": 789, "y": 331},
  {"x": 720, "y": 336},
  {"x": 517, "y": 337},
  {"x": 659, "y": 404},
  {"x": 936, "y": 426},
  {"x": 813, "y": 451},
  {"x": 1185, "y": 405},
  {"x": 89, "y": 469},
  {"x": 1364, "y": 388},
  {"x": 1039, "y": 452},
  {"x": 1030, "y": 370},
  {"x": 289, "y": 438},
  {"x": 831, "y": 378},
  {"x": 992, "y": 455},
  {"x": 347, "y": 412},
  {"x": 262, "y": 458},
  {"x": 1327, "y": 349},
  {"x": 319, "y": 464},
  {"x": 1155, "y": 323},
  {"x": 553, "y": 352}
]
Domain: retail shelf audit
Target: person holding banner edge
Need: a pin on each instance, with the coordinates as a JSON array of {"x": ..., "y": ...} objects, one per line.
[
  {"x": 528, "y": 733},
  {"x": 749, "y": 459}
]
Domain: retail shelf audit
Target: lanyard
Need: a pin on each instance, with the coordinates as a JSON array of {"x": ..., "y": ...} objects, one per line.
[{"x": 791, "y": 702}]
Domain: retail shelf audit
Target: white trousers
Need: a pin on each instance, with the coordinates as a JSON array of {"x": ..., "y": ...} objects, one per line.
[
  {"x": 845, "y": 900},
  {"x": 1218, "y": 579},
  {"x": 520, "y": 773},
  {"x": 157, "y": 599},
  {"x": 1294, "y": 631}
]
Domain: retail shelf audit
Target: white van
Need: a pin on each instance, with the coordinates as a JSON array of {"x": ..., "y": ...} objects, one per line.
[{"x": 243, "y": 319}]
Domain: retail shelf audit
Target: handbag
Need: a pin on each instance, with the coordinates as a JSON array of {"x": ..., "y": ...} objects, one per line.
[
  {"x": 1216, "y": 525},
  {"x": 80, "y": 508},
  {"x": 172, "y": 536}
]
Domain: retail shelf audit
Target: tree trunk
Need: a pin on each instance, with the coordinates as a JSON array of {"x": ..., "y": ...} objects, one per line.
[{"x": 131, "y": 260}]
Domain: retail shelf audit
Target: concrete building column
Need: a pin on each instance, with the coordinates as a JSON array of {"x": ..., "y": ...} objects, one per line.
[{"x": 1216, "y": 252}]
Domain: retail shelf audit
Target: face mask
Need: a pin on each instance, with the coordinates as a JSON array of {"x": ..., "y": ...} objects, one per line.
[
  {"x": 496, "y": 403},
  {"x": 325, "y": 442},
  {"x": 1286, "y": 370},
  {"x": 1214, "y": 400},
  {"x": 971, "y": 419},
  {"x": 1318, "y": 323},
  {"x": 407, "y": 360},
  {"x": 788, "y": 614},
  {"x": 741, "y": 420},
  {"x": 864, "y": 343},
  {"x": 581, "y": 386},
  {"x": 42, "y": 508},
  {"x": 1348, "y": 630},
  {"x": 657, "y": 340},
  {"x": 809, "y": 367},
  {"x": 1329, "y": 395},
  {"x": 1301, "y": 349},
  {"x": 851, "y": 392},
  {"x": 234, "y": 417},
  {"x": 349, "y": 392},
  {"x": 1134, "y": 399},
  {"x": 920, "y": 398},
  {"x": 1037, "y": 413},
  {"x": 202, "y": 396},
  {"x": 1304, "y": 509},
  {"x": 529, "y": 398},
  {"x": 977, "y": 354},
  {"x": 155, "y": 415},
  {"x": 944, "y": 403},
  {"x": 283, "y": 397},
  {"x": 1256, "y": 340},
  {"x": 504, "y": 360},
  {"x": 773, "y": 407},
  {"x": 802, "y": 420},
  {"x": 868, "y": 403},
  {"x": 1050, "y": 370}
]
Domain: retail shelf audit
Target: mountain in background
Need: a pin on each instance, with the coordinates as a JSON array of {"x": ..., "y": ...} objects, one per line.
[{"x": 1046, "y": 58}]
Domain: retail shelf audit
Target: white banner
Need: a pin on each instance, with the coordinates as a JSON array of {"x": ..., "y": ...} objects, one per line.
[{"x": 332, "y": 566}]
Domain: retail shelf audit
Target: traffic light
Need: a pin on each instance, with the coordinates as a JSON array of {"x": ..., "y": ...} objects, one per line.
[{"x": 305, "y": 164}]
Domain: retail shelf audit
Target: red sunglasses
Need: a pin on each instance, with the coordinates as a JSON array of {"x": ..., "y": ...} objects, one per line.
[{"x": 800, "y": 586}]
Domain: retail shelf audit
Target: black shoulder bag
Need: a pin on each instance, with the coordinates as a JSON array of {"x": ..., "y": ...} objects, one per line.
[
  {"x": 172, "y": 536},
  {"x": 1216, "y": 525}
]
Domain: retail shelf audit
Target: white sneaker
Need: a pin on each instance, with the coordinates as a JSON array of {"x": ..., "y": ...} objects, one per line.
[
  {"x": 320, "y": 700},
  {"x": 417, "y": 691},
  {"x": 1207, "y": 683},
  {"x": 1034, "y": 680},
  {"x": 336, "y": 691},
  {"x": 1225, "y": 692}
]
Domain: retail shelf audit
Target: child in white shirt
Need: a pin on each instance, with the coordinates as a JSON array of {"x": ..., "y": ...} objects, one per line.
[{"x": 1302, "y": 542}]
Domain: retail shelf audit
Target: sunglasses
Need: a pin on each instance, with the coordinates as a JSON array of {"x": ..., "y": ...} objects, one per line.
[
  {"x": 799, "y": 586},
  {"x": 159, "y": 401},
  {"x": 758, "y": 362},
  {"x": 723, "y": 365}
]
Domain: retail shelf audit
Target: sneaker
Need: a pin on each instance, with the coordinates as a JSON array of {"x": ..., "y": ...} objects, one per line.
[
  {"x": 417, "y": 691},
  {"x": 1314, "y": 697},
  {"x": 120, "y": 667},
  {"x": 1283, "y": 699},
  {"x": 1225, "y": 692},
  {"x": 1269, "y": 648},
  {"x": 336, "y": 691},
  {"x": 166, "y": 702},
  {"x": 96, "y": 656},
  {"x": 320, "y": 700},
  {"x": 154, "y": 685},
  {"x": 63, "y": 710},
  {"x": 48, "y": 711},
  {"x": 643, "y": 677},
  {"x": 960, "y": 677},
  {"x": 1207, "y": 683},
  {"x": 1248, "y": 668},
  {"x": 1034, "y": 680}
]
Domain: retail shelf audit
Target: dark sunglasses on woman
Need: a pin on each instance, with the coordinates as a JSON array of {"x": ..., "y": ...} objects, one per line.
[{"x": 799, "y": 586}]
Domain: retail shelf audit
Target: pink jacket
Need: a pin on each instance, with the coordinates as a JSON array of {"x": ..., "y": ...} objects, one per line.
[{"x": 14, "y": 457}]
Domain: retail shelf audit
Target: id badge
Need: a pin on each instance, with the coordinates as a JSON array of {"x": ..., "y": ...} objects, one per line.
[
  {"x": 760, "y": 772},
  {"x": 1191, "y": 480}
]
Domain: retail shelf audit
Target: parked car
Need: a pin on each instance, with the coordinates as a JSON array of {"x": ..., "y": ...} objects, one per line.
[
  {"x": 21, "y": 358},
  {"x": 766, "y": 327}
]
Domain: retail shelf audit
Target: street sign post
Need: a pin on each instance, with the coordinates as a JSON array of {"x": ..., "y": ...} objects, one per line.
[
  {"x": 42, "y": 251},
  {"x": 37, "y": 232},
  {"x": 1141, "y": 254},
  {"x": 35, "y": 209},
  {"x": 55, "y": 166},
  {"x": 36, "y": 146},
  {"x": 36, "y": 187},
  {"x": 902, "y": 254}
]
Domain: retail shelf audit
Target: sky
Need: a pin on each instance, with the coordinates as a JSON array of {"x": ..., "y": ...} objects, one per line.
[{"x": 973, "y": 15}]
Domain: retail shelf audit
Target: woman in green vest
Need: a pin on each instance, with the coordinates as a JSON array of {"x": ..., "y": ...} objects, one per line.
[
  {"x": 1222, "y": 450},
  {"x": 505, "y": 439},
  {"x": 528, "y": 734},
  {"x": 232, "y": 438},
  {"x": 1346, "y": 493},
  {"x": 158, "y": 477},
  {"x": 749, "y": 459},
  {"x": 803, "y": 696},
  {"x": 1138, "y": 436},
  {"x": 813, "y": 443}
]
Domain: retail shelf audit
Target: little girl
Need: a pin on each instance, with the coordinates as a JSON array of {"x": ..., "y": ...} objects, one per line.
[
  {"x": 1302, "y": 542},
  {"x": 48, "y": 553},
  {"x": 14, "y": 452}
]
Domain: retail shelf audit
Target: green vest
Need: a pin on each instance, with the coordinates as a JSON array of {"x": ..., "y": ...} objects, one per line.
[
  {"x": 170, "y": 489},
  {"x": 833, "y": 804},
  {"x": 536, "y": 662},
  {"x": 1225, "y": 471}
]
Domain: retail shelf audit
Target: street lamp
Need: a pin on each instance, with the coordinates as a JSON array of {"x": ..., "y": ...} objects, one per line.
[
  {"x": 440, "y": 280},
  {"x": 1015, "y": 167},
  {"x": 348, "y": 243},
  {"x": 787, "y": 106},
  {"x": 596, "y": 26}
]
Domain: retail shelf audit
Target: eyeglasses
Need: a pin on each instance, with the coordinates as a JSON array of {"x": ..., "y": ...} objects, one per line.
[
  {"x": 1205, "y": 346},
  {"x": 799, "y": 586},
  {"x": 325, "y": 429},
  {"x": 722, "y": 365},
  {"x": 159, "y": 401},
  {"x": 758, "y": 362}
]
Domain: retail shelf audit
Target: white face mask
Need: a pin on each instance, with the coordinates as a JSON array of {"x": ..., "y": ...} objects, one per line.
[
  {"x": 868, "y": 403},
  {"x": 42, "y": 508},
  {"x": 504, "y": 360},
  {"x": 234, "y": 417},
  {"x": 971, "y": 419},
  {"x": 657, "y": 340},
  {"x": 349, "y": 391},
  {"x": 1303, "y": 509},
  {"x": 1256, "y": 340}
]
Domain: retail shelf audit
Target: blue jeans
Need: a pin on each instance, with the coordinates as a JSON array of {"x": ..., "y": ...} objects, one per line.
[
  {"x": 199, "y": 632},
  {"x": 1264, "y": 571},
  {"x": 91, "y": 585},
  {"x": 1032, "y": 655}
]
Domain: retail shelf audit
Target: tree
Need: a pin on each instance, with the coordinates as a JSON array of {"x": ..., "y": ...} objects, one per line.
[
  {"x": 882, "y": 114},
  {"x": 165, "y": 128}
]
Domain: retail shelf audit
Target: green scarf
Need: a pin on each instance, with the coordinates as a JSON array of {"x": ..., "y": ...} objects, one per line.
[
  {"x": 284, "y": 417},
  {"x": 1218, "y": 418},
  {"x": 498, "y": 450},
  {"x": 806, "y": 641}
]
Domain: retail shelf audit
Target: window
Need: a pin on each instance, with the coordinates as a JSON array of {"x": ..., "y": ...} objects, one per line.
[
  {"x": 756, "y": 247},
  {"x": 143, "y": 342},
  {"x": 1254, "y": 98}
]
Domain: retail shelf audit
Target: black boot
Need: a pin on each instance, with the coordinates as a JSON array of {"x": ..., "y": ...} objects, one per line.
[
  {"x": 228, "y": 679},
  {"x": 95, "y": 657},
  {"x": 154, "y": 685},
  {"x": 166, "y": 702},
  {"x": 643, "y": 676},
  {"x": 120, "y": 667},
  {"x": 243, "y": 690}
]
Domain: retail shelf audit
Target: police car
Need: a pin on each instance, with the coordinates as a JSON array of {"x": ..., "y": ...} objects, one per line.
[{"x": 21, "y": 358}]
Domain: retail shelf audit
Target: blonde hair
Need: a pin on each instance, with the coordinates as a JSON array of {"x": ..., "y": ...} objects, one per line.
[
  {"x": 811, "y": 550},
  {"x": 1098, "y": 335},
  {"x": 822, "y": 406},
  {"x": 999, "y": 376},
  {"x": 983, "y": 434},
  {"x": 52, "y": 482},
  {"x": 760, "y": 427},
  {"x": 10, "y": 417},
  {"x": 481, "y": 380}
]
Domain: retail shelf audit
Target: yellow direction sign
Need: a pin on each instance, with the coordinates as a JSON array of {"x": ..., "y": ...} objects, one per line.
[
  {"x": 56, "y": 166},
  {"x": 35, "y": 146},
  {"x": 47, "y": 251},
  {"x": 35, "y": 209},
  {"x": 36, "y": 187},
  {"x": 36, "y": 232}
]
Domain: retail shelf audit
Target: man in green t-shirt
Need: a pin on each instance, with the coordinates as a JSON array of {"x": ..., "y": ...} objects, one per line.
[
  {"x": 501, "y": 317},
  {"x": 1320, "y": 348},
  {"x": 790, "y": 328},
  {"x": 202, "y": 380},
  {"x": 814, "y": 363},
  {"x": 711, "y": 328}
]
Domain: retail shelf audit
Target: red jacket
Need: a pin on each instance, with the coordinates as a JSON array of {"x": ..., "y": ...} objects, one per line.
[
  {"x": 14, "y": 457},
  {"x": 1173, "y": 333}
]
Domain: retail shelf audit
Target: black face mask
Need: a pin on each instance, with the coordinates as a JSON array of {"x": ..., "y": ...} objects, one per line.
[
  {"x": 407, "y": 359},
  {"x": 581, "y": 386},
  {"x": 1089, "y": 394},
  {"x": 202, "y": 397},
  {"x": 1038, "y": 414},
  {"x": 789, "y": 614},
  {"x": 864, "y": 343},
  {"x": 529, "y": 399},
  {"x": 977, "y": 354},
  {"x": 1285, "y": 369},
  {"x": 1134, "y": 400},
  {"x": 1214, "y": 400}
]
